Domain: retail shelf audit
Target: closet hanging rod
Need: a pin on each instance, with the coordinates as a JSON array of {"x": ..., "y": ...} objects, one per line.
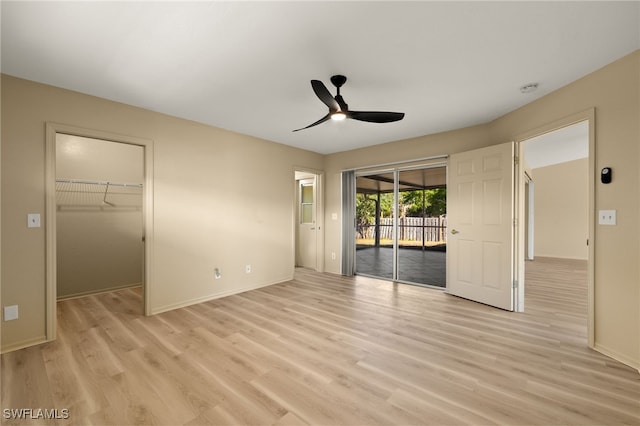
[{"x": 100, "y": 182}]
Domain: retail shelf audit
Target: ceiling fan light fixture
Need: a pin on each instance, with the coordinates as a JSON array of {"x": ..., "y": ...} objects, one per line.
[{"x": 338, "y": 116}]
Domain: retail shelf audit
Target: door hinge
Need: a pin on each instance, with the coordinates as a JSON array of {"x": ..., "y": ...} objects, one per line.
[
  {"x": 516, "y": 160},
  {"x": 515, "y": 283}
]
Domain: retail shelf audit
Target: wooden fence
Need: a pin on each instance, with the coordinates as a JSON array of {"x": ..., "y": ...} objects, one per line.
[{"x": 428, "y": 229}]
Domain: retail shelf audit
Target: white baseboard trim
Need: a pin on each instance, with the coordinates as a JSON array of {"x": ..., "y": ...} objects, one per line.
[
  {"x": 24, "y": 344},
  {"x": 100, "y": 291},
  {"x": 183, "y": 304},
  {"x": 633, "y": 363}
]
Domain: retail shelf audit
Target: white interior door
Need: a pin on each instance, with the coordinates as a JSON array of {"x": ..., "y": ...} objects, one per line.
[
  {"x": 480, "y": 214},
  {"x": 307, "y": 229}
]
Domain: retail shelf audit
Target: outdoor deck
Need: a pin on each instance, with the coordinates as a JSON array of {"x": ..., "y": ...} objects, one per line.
[{"x": 426, "y": 267}]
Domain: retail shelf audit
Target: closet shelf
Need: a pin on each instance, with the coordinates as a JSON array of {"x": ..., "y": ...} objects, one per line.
[
  {"x": 104, "y": 194},
  {"x": 99, "y": 182}
]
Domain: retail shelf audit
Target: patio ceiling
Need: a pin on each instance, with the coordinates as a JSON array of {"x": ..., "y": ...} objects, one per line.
[{"x": 416, "y": 179}]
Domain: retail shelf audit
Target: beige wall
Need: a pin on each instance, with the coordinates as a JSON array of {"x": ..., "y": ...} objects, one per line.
[
  {"x": 99, "y": 247},
  {"x": 614, "y": 92},
  {"x": 561, "y": 210},
  {"x": 218, "y": 203}
]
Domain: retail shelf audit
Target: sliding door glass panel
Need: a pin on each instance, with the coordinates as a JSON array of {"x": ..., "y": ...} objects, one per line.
[
  {"x": 421, "y": 229},
  {"x": 374, "y": 225}
]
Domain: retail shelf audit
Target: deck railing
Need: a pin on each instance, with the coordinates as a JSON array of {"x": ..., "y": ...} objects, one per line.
[{"x": 410, "y": 229}]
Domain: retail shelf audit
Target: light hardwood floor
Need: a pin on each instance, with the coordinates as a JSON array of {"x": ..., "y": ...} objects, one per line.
[{"x": 324, "y": 349}]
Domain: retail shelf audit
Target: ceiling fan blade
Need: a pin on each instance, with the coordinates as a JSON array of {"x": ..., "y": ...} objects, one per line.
[
  {"x": 322, "y": 120},
  {"x": 376, "y": 116},
  {"x": 322, "y": 92}
]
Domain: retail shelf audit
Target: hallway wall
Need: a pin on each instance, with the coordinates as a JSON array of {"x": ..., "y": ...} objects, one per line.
[{"x": 561, "y": 200}]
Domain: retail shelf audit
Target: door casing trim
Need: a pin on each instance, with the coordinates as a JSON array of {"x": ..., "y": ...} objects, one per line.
[{"x": 52, "y": 129}]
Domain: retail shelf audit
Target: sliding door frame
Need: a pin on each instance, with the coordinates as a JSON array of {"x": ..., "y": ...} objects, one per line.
[{"x": 396, "y": 169}]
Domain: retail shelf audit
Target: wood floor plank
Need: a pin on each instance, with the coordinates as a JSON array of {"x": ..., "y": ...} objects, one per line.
[
  {"x": 24, "y": 382},
  {"x": 326, "y": 349}
]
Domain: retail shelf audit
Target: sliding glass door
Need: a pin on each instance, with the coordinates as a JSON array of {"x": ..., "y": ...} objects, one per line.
[
  {"x": 422, "y": 224},
  {"x": 401, "y": 225},
  {"x": 374, "y": 225}
]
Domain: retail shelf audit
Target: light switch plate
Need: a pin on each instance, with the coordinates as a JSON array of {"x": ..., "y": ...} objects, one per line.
[
  {"x": 606, "y": 217},
  {"x": 11, "y": 312},
  {"x": 33, "y": 220}
]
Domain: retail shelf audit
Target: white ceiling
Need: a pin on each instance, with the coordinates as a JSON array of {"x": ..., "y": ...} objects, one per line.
[{"x": 246, "y": 66}]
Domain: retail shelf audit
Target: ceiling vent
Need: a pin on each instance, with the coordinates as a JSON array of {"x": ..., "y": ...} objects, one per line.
[{"x": 528, "y": 88}]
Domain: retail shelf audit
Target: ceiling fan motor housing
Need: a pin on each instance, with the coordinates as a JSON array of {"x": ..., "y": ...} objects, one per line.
[{"x": 338, "y": 80}]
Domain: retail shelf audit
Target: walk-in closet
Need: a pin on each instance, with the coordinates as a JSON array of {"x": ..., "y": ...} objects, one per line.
[{"x": 99, "y": 221}]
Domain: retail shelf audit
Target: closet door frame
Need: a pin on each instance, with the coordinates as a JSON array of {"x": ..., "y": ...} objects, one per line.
[{"x": 52, "y": 129}]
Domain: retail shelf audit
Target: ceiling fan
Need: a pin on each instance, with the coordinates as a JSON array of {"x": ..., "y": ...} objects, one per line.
[{"x": 339, "y": 110}]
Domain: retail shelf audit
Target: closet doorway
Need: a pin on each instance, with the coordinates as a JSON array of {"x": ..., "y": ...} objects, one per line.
[
  {"x": 99, "y": 245},
  {"x": 98, "y": 217}
]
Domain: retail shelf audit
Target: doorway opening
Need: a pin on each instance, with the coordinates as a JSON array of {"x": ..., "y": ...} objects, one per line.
[
  {"x": 401, "y": 225},
  {"x": 557, "y": 199},
  {"x": 99, "y": 221},
  {"x": 557, "y": 216}
]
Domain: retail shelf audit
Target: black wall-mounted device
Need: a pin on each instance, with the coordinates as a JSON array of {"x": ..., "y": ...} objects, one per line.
[{"x": 605, "y": 175}]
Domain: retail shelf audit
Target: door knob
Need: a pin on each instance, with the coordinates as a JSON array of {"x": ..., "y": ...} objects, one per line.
[{"x": 454, "y": 232}]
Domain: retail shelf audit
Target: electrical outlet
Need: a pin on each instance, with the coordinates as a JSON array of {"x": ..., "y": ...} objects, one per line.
[
  {"x": 11, "y": 312},
  {"x": 247, "y": 269},
  {"x": 333, "y": 255}
]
